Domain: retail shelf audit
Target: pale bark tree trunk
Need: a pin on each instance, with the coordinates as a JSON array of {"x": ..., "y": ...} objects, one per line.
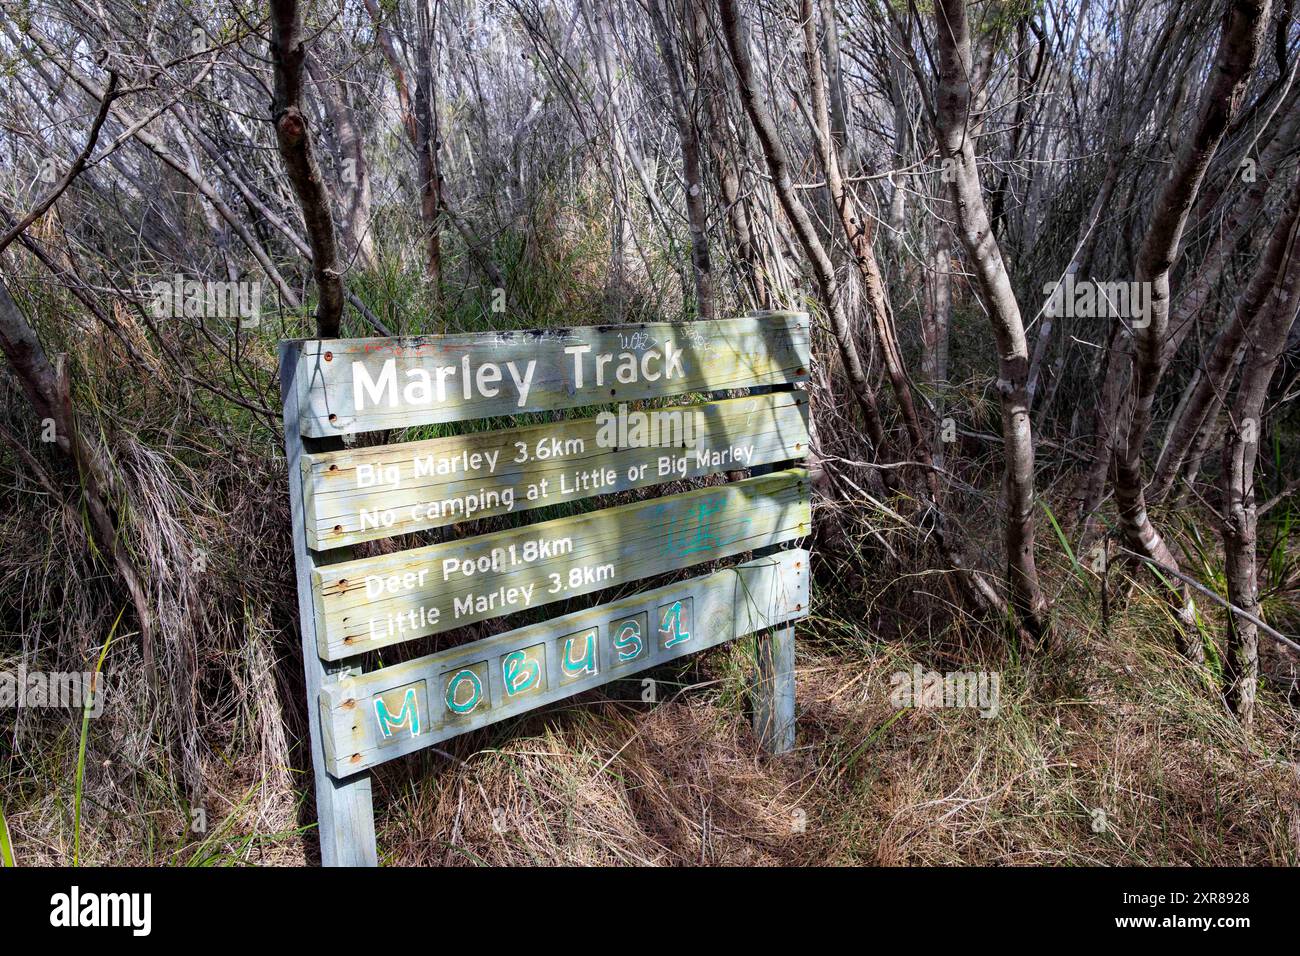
[
  {"x": 1210, "y": 382},
  {"x": 936, "y": 317},
  {"x": 855, "y": 228},
  {"x": 599, "y": 23},
  {"x": 738, "y": 216},
  {"x": 957, "y": 148},
  {"x": 838, "y": 101},
  {"x": 937, "y": 312},
  {"x": 389, "y": 47},
  {"x": 904, "y": 144},
  {"x": 1240, "y": 216},
  {"x": 1242, "y": 31},
  {"x": 778, "y": 164},
  {"x": 723, "y": 151},
  {"x": 350, "y": 161},
  {"x": 419, "y": 118},
  {"x": 1241, "y": 659},
  {"x": 973, "y": 584},
  {"x": 858, "y": 236},
  {"x": 1199, "y": 400},
  {"x": 1114, "y": 360}
]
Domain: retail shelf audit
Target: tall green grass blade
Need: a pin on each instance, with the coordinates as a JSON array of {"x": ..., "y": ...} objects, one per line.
[
  {"x": 1065, "y": 544},
  {"x": 86, "y": 707},
  {"x": 6, "y": 847}
]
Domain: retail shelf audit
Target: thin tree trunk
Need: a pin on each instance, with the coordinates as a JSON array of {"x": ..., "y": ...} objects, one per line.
[
  {"x": 935, "y": 318},
  {"x": 858, "y": 236},
  {"x": 904, "y": 147},
  {"x": 974, "y": 584},
  {"x": 1242, "y": 31},
  {"x": 389, "y": 48},
  {"x": 1024, "y": 79},
  {"x": 957, "y": 148},
  {"x": 778, "y": 165},
  {"x": 1113, "y": 361},
  {"x": 723, "y": 152},
  {"x": 697, "y": 215},
  {"x": 937, "y": 314},
  {"x": 1241, "y": 659},
  {"x": 837, "y": 100},
  {"x": 1194, "y": 407},
  {"x": 859, "y": 239},
  {"x": 427, "y": 144},
  {"x": 50, "y": 394},
  {"x": 350, "y": 161},
  {"x": 1240, "y": 217},
  {"x": 294, "y": 139},
  {"x": 1210, "y": 382}
]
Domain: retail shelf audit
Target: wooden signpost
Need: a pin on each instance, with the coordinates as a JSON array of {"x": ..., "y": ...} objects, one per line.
[{"x": 344, "y": 496}]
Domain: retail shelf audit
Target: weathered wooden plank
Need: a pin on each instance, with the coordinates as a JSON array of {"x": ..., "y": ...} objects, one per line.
[
  {"x": 373, "y": 602},
  {"x": 344, "y": 810},
  {"x": 367, "y": 493},
  {"x": 356, "y": 385},
  {"x": 396, "y": 710}
]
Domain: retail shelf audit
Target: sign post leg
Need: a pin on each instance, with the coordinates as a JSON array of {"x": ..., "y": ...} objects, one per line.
[
  {"x": 345, "y": 814},
  {"x": 774, "y": 690}
]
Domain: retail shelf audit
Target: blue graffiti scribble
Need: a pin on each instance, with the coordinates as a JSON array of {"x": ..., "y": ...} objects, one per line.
[{"x": 693, "y": 530}]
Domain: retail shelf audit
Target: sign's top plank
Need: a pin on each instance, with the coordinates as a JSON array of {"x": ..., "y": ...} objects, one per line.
[{"x": 358, "y": 385}]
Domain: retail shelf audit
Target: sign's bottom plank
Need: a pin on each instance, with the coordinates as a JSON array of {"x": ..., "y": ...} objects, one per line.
[{"x": 369, "y": 719}]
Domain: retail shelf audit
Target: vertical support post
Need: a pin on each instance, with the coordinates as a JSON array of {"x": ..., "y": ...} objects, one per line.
[
  {"x": 774, "y": 689},
  {"x": 344, "y": 812},
  {"x": 773, "y": 686}
]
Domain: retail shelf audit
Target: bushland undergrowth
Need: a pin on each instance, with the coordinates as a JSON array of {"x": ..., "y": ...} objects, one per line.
[{"x": 1111, "y": 751}]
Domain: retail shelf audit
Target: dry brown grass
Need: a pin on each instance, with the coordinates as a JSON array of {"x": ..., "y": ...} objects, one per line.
[{"x": 602, "y": 782}]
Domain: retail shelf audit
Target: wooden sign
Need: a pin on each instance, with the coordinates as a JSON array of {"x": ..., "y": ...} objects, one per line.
[{"x": 437, "y": 486}]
